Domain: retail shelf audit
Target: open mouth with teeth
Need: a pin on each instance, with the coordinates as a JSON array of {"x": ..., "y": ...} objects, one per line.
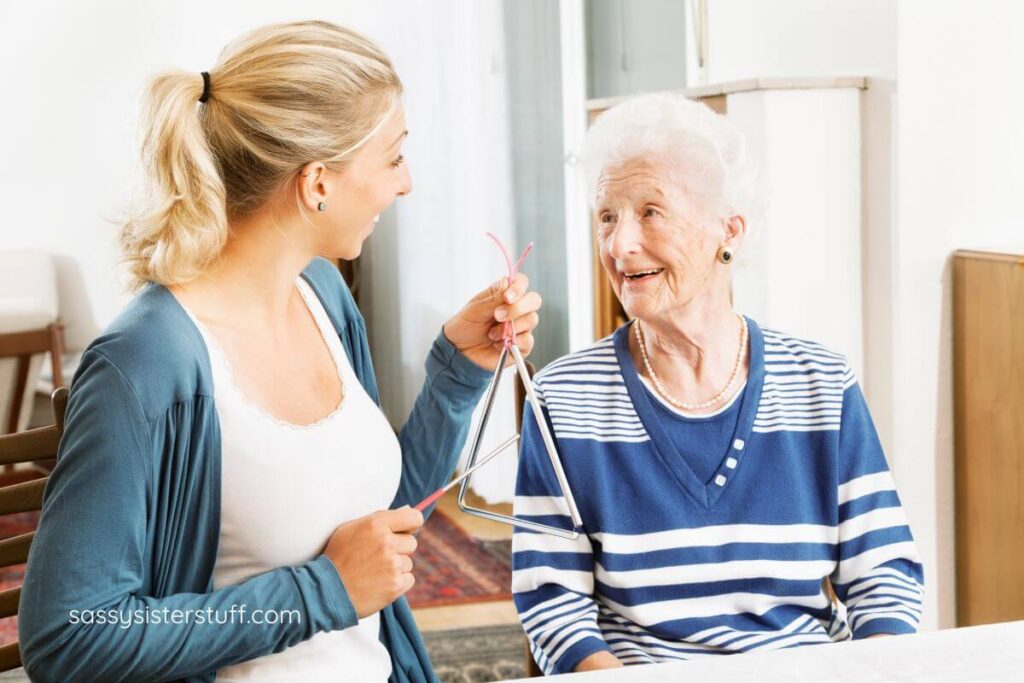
[{"x": 642, "y": 275}]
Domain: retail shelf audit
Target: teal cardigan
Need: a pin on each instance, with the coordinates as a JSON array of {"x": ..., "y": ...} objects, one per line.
[{"x": 131, "y": 514}]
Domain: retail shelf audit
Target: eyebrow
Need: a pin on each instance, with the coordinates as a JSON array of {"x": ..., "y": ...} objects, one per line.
[
  {"x": 644, "y": 188},
  {"x": 398, "y": 139}
]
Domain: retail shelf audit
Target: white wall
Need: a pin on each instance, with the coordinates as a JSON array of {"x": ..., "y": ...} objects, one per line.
[
  {"x": 959, "y": 141},
  {"x": 789, "y": 38},
  {"x": 797, "y": 38},
  {"x": 66, "y": 165},
  {"x": 801, "y": 270}
]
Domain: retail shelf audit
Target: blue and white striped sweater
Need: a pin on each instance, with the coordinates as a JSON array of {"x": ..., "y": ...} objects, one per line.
[{"x": 672, "y": 567}]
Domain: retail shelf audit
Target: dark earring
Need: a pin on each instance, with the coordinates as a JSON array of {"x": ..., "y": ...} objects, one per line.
[
  {"x": 725, "y": 255},
  {"x": 321, "y": 207}
]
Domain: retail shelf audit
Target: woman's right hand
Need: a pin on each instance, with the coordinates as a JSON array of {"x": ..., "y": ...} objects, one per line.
[{"x": 372, "y": 556}]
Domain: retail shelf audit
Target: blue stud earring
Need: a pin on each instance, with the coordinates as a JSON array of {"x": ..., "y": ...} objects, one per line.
[{"x": 321, "y": 207}]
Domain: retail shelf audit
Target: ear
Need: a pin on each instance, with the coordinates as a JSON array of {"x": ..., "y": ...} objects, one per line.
[
  {"x": 314, "y": 184},
  {"x": 735, "y": 230}
]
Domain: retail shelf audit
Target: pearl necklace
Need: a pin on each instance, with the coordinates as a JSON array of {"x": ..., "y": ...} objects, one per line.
[{"x": 714, "y": 400}]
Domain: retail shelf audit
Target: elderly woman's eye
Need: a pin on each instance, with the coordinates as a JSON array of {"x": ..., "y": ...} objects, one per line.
[
  {"x": 607, "y": 217},
  {"x": 650, "y": 212}
]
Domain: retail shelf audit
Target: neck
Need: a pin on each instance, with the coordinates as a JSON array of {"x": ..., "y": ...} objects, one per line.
[
  {"x": 695, "y": 334},
  {"x": 693, "y": 349},
  {"x": 256, "y": 271}
]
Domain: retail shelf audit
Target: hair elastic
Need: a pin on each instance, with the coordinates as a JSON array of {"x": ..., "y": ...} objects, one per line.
[{"x": 206, "y": 88}]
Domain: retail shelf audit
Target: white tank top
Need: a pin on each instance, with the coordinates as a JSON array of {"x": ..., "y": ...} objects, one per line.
[{"x": 285, "y": 489}]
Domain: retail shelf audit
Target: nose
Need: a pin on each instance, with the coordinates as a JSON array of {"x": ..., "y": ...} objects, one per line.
[
  {"x": 625, "y": 238},
  {"x": 405, "y": 182}
]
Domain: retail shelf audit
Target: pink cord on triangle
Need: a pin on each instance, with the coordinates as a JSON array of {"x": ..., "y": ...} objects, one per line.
[{"x": 510, "y": 328}]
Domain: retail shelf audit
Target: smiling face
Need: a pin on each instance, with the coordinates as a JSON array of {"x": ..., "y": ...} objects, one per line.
[
  {"x": 359, "y": 192},
  {"x": 656, "y": 244}
]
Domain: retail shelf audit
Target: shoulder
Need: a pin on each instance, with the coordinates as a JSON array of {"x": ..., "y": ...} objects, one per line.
[
  {"x": 598, "y": 358},
  {"x": 586, "y": 396},
  {"x": 155, "y": 349},
  {"x": 786, "y": 355}
]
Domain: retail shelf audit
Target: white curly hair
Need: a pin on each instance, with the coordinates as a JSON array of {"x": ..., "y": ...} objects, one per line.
[{"x": 708, "y": 150}]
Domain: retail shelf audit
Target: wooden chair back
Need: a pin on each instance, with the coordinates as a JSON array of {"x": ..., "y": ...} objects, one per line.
[
  {"x": 27, "y": 496},
  {"x": 22, "y": 346}
]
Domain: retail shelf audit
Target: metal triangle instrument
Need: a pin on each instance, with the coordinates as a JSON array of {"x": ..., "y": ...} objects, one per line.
[{"x": 549, "y": 445}]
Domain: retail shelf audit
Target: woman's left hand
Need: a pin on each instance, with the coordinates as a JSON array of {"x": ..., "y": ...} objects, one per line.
[{"x": 478, "y": 329}]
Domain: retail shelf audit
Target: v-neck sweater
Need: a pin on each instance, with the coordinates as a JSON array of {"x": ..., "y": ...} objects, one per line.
[
  {"x": 699, "y": 439},
  {"x": 670, "y": 566}
]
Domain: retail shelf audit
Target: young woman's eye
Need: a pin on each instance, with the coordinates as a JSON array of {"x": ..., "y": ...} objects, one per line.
[{"x": 399, "y": 161}]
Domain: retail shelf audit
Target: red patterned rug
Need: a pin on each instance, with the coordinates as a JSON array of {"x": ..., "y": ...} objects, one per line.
[
  {"x": 14, "y": 525},
  {"x": 453, "y": 568}
]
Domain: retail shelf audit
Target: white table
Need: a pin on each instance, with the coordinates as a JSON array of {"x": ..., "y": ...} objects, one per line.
[{"x": 979, "y": 653}]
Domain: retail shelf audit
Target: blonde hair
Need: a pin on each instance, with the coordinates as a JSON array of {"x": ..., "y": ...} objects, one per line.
[{"x": 280, "y": 97}]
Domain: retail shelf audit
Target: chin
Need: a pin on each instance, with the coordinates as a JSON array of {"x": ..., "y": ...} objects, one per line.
[
  {"x": 645, "y": 308},
  {"x": 347, "y": 252},
  {"x": 633, "y": 308}
]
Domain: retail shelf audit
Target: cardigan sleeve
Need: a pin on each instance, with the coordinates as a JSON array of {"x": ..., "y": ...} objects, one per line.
[
  {"x": 433, "y": 436},
  {"x": 552, "y": 577},
  {"x": 878, "y": 576},
  {"x": 86, "y": 613}
]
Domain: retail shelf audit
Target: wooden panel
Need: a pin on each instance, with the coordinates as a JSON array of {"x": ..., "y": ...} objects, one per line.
[
  {"x": 350, "y": 270},
  {"x": 22, "y": 497},
  {"x": 59, "y": 401},
  {"x": 10, "y": 657},
  {"x": 25, "y": 343},
  {"x": 30, "y": 445},
  {"x": 609, "y": 314},
  {"x": 988, "y": 379},
  {"x": 9, "y": 600},
  {"x": 22, "y": 346},
  {"x": 717, "y": 103},
  {"x": 14, "y": 550}
]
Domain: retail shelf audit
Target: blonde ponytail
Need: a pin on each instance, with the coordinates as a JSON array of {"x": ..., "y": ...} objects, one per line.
[
  {"x": 279, "y": 97},
  {"x": 184, "y": 226}
]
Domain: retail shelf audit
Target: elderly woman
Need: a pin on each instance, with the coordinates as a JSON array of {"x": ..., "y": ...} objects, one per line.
[{"x": 726, "y": 474}]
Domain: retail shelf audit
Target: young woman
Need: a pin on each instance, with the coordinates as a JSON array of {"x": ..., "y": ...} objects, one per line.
[{"x": 229, "y": 500}]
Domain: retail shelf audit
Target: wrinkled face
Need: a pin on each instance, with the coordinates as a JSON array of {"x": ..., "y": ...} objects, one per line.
[
  {"x": 656, "y": 245},
  {"x": 365, "y": 187}
]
